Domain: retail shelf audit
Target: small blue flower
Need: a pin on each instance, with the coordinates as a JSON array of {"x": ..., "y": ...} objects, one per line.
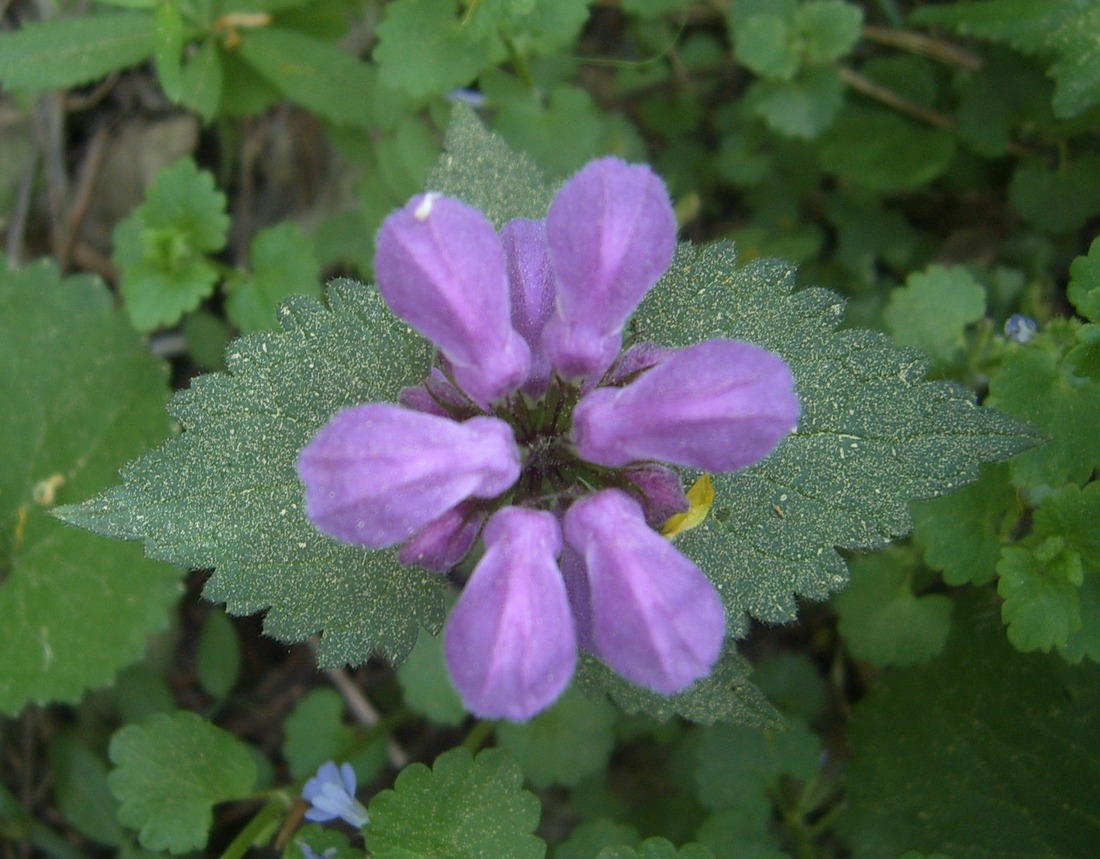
[
  {"x": 331, "y": 795},
  {"x": 310, "y": 853},
  {"x": 1021, "y": 328}
]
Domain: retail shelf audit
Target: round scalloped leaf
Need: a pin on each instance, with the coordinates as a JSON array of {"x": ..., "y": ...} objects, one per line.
[
  {"x": 81, "y": 396},
  {"x": 462, "y": 808}
]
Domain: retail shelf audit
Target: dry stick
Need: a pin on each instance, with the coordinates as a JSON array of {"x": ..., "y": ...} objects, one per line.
[
  {"x": 364, "y": 712},
  {"x": 85, "y": 184},
  {"x": 926, "y": 46},
  {"x": 49, "y": 129},
  {"x": 894, "y": 99},
  {"x": 18, "y": 224}
]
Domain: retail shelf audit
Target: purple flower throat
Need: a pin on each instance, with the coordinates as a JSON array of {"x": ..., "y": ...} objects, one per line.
[{"x": 540, "y": 435}]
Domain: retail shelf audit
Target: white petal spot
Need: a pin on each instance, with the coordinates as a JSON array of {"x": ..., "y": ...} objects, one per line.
[{"x": 426, "y": 205}]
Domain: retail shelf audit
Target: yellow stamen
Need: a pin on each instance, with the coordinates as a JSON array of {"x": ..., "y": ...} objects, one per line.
[{"x": 700, "y": 497}]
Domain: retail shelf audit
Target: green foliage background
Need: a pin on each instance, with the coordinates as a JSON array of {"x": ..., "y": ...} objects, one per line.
[{"x": 872, "y": 189}]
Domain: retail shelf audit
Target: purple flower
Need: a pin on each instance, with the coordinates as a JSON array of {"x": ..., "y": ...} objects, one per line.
[
  {"x": 535, "y": 433},
  {"x": 331, "y": 796}
]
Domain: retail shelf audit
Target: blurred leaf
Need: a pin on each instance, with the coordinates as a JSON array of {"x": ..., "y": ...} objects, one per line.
[
  {"x": 563, "y": 745},
  {"x": 933, "y": 310},
  {"x": 202, "y": 80},
  {"x": 316, "y": 74},
  {"x": 996, "y": 751},
  {"x": 427, "y": 685},
  {"x": 79, "y": 50},
  {"x": 884, "y": 152},
  {"x": 881, "y": 618},
  {"x": 461, "y": 808},
  {"x": 1039, "y": 583},
  {"x": 960, "y": 532},
  {"x": 162, "y": 245},
  {"x": 448, "y": 55},
  {"x": 218, "y": 657},
  {"x": 830, "y": 28},
  {"x": 1083, "y": 289},
  {"x": 792, "y": 682},
  {"x": 315, "y": 732},
  {"x": 769, "y": 46},
  {"x": 1057, "y": 200},
  {"x": 589, "y": 838},
  {"x": 283, "y": 264},
  {"x": 207, "y": 335},
  {"x": 81, "y": 395},
  {"x": 801, "y": 108},
  {"x": 168, "y": 43},
  {"x": 1065, "y": 29},
  {"x": 80, "y": 790},
  {"x": 740, "y": 833},
  {"x": 656, "y": 848},
  {"x": 170, "y": 772}
]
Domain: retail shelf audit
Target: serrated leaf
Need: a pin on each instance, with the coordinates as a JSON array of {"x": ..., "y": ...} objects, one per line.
[
  {"x": 933, "y": 310},
  {"x": 1083, "y": 289},
  {"x": 563, "y": 745},
  {"x": 656, "y": 848},
  {"x": 463, "y": 808},
  {"x": 1039, "y": 583},
  {"x": 81, "y": 395},
  {"x": 479, "y": 168},
  {"x": 873, "y": 434},
  {"x": 1033, "y": 384},
  {"x": 225, "y": 493},
  {"x": 161, "y": 247},
  {"x": 448, "y": 54},
  {"x": 283, "y": 264},
  {"x": 881, "y": 618},
  {"x": 169, "y": 773},
  {"x": 724, "y": 695},
  {"x": 79, "y": 50},
  {"x": 996, "y": 751},
  {"x": 218, "y": 656},
  {"x": 590, "y": 837},
  {"x": 316, "y": 74},
  {"x": 769, "y": 46},
  {"x": 1065, "y": 29},
  {"x": 960, "y": 532}
]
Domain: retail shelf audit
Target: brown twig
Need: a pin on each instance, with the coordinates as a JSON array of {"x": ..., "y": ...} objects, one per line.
[
  {"x": 926, "y": 46},
  {"x": 17, "y": 226},
  {"x": 85, "y": 184},
  {"x": 49, "y": 127},
  {"x": 894, "y": 99},
  {"x": 364, "y": 712}
]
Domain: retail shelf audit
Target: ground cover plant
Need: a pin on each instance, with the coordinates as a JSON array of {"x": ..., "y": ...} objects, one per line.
[{"x": 640, "y": 428}]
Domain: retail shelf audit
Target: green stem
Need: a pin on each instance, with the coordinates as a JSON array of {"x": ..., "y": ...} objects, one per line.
[
  {"x": 250, "y": 834},
  {"x": 479, "y": 733}
]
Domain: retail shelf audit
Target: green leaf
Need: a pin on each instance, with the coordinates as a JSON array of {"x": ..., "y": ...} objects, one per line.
[
  {"x": 218, "y": 658},
  {"x": 792, "y": 682},
  {"x": 829, "y": 28},
  {"x": 448, "y": 55},
  {"x": 81, "y": 395},
  {"x": 1057, "y": 200},
  {"x": 162, "y": 246},
  {"x": 881, "y": 618},
  {"x": 478, "y": 167},
  {"x": 1071, "y": 513},
  {"x": 873, "y": 434},
  {"x": 1039, "y": 583},
  {"x": 656, "y": 848},
  {"x": 960, "y": 533},
  {"x": 996, "y": 752},
  {"x": 315, "y": 732},
  {"x": 462, "y": 808},
  {"x": 735, "y": 766},
  {"x": 80, "y": 790},
  {"x": 563, "y": 745},
  {"x": 225, "y": 493},
  {"x": 283, "y": 264},
  {"x": 725, "y": 695},
  {"x": 1085, "y": 642},
  {"x": 170, "y": 772},
  {"x": 589, "y": 838},
  {"x": 802, "y": 108},
  {"x": 79, "y": 50},
  {"x": 201, "y": 81},
  {"x": 168, "y": 45},
  {"x": 882, "y": 151},
  {"x": 1063, "y": 29},
  {"x": 933, "y": 310},
  {"x": 1034, "y": 385},
  {"x": 1083, "y": 289},
  {"x": 769, "y": 46},
  {"x": 427, "y": 685},
  {"x": 316, "y": 74},
  {"x": 549, "y": 26},
  {"x": 740, "y": 833}
]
